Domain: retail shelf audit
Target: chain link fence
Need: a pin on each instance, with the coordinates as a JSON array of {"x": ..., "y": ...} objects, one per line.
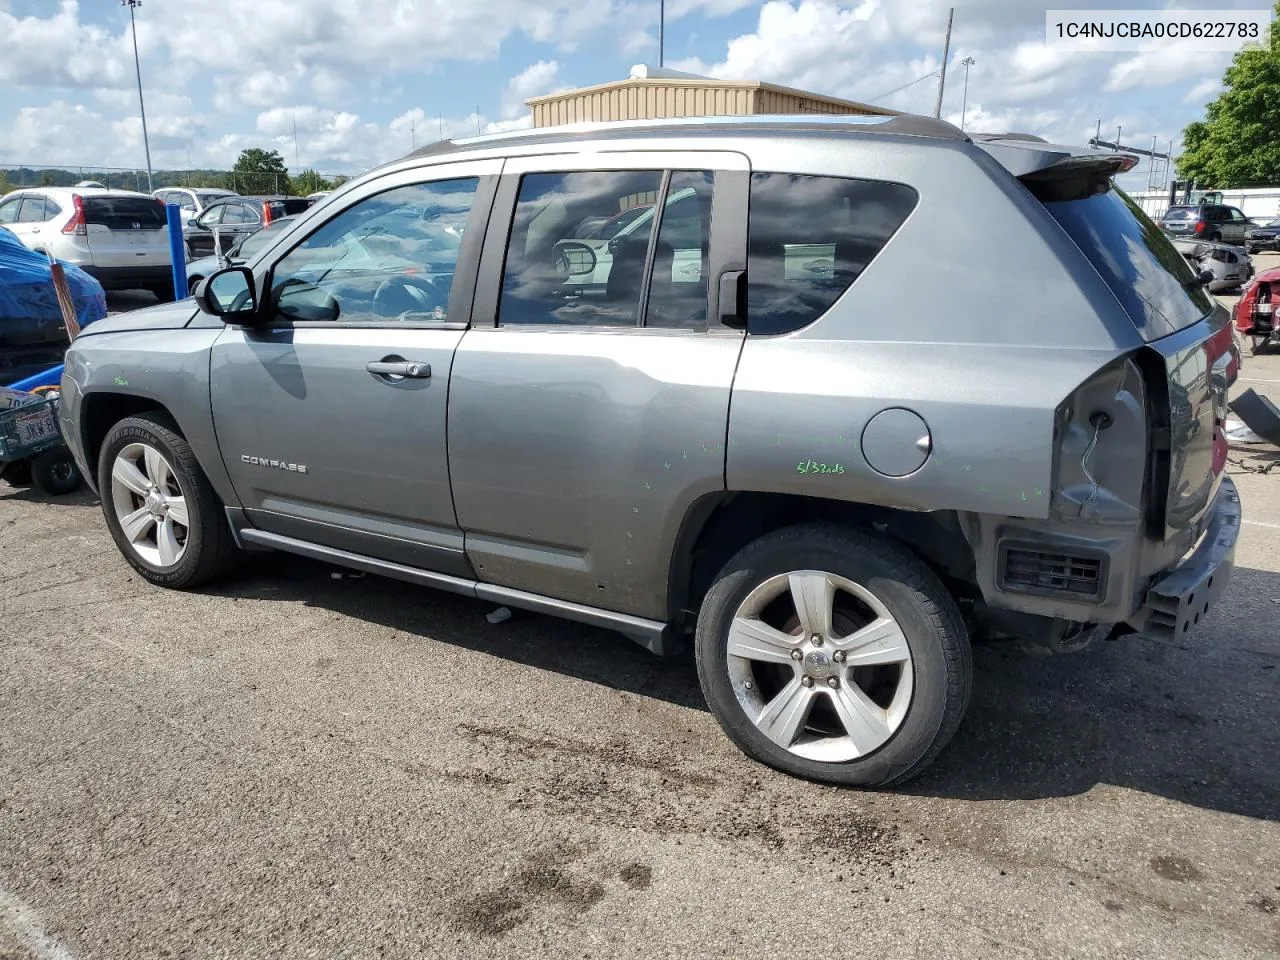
[{"x": 17, "y": 176}]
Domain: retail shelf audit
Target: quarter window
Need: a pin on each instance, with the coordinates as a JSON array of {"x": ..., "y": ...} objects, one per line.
[
  {"x": 809, "y": 238},
  {"x": 9, "y": 209},
  {"x": 389, "y": 257}
]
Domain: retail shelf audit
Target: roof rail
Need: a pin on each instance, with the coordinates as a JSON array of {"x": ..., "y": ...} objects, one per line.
[{"x": 903, "y": 125}]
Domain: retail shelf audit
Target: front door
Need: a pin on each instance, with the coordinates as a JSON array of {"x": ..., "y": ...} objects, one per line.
[
  {"x": 590, "y": 399},
  {"x": 331, "y": 415}
]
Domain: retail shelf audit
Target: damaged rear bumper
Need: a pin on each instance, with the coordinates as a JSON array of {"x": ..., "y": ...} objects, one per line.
[{"x": 1178, "y": 600}]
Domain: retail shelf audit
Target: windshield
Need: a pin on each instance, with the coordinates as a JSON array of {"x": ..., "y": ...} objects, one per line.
[
  {"x": 1137, "y": 260},
  {"x": 251, "y": 244},
  {"x": 1180, "y": 213},
  {"x": 208, "y": 198}
]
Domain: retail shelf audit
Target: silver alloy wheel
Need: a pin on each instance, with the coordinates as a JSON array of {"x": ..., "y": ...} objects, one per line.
[
  {"x": 150, "y": 505},
  {"x": 820, "y": 666}
]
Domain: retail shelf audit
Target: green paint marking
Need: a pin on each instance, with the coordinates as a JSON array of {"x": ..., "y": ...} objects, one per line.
[
  {"x": 1039, "y": 492},
  {"x": 1023, "y": 497},
  {"x": 982, "y": 489},
  {"x": 121, "y": 382},
  {"x": 667, "y": 465},
  {"x": 648, "y": 485},
  {"x": 813, "y": 466}
]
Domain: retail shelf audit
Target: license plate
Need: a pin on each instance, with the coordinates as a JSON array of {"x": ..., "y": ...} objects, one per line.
[{"x": 34, "y": 428}]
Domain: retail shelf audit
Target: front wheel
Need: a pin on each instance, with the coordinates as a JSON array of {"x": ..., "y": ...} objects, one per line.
[
  {"x": 160, "y": 507},
  {"x": 835, "y": 655}
]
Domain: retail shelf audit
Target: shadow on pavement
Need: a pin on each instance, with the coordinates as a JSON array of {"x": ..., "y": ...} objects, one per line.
[{"x": 1197, "y": 722}]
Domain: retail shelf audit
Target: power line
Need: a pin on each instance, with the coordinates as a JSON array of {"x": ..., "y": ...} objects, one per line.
[{"x": 932, "y": 73}]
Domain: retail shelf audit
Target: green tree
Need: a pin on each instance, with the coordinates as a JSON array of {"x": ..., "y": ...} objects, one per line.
[
  {"x": 261, "y": 171},
  {"x": 309, "y": 181},
  {"x": 48, "y": 178},
  {"x": 5, "y": 185},
  {"x": 339, "y": 180},
  {"x": 1238, "y": 142}
]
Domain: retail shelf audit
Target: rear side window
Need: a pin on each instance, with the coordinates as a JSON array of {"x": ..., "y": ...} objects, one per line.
[
  {"x": 1137, "y": 260},
  {"x": 124, "y": 213},
  {"x": 1180, "y": 213},
  {"x": 809, "y": 238}
]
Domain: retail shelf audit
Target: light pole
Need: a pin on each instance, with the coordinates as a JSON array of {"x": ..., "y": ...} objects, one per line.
[
  {"x": 137, "y": 66},
  {"x": 662, "y": 23},
  {"x": 964, "y": 108}
]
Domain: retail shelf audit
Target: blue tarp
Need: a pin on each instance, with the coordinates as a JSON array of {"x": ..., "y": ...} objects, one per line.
[{"x": 31, "y": 338}]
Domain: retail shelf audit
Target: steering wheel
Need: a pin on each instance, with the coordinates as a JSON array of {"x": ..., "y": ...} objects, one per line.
[{"x": 392, "y": 294}]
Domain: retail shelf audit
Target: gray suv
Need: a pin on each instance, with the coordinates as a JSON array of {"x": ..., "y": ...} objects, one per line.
[{"x": 773, "y": 422}]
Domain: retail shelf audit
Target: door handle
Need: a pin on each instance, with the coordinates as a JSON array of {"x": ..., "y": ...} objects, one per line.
[
  {"x": 399, "y": 368},
  {"x": 35, "y": 229}
]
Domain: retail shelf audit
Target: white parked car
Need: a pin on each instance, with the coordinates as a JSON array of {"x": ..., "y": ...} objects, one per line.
[
  {"x": 192, "y": 200},
  {"x": 117, "y": 236}
]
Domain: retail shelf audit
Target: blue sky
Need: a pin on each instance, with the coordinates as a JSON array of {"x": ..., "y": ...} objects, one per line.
[{"x": 363, "y": 81}]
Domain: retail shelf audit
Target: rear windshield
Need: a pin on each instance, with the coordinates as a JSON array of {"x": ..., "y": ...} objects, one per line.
[
  {"x": 1137, "y": 260},
  {"x": 288, "y": 206},
  {"x": 208, "y": 198},
  {"x": 1181, "y": 213},
  {"x": 124, "y": 213}
]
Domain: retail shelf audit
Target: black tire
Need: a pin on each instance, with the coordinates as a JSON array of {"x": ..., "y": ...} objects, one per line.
[
  {"x": 209, "y": 547},
  {"x": 1215, "y": 237},
  {"x": 927, "y": 615},
  {"x": 55, "y": 472},
  {"x": 192, "y": 283}
]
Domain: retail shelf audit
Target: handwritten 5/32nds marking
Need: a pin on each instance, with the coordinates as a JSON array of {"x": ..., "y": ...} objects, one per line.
[{"x": 812, "y": 466}]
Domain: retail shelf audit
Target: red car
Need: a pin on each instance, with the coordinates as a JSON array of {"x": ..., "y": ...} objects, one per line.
[{"x": 1254, "y": 313}]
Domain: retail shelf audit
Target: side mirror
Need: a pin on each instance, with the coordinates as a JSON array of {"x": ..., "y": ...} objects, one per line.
[{"x": 230, "y": 294}]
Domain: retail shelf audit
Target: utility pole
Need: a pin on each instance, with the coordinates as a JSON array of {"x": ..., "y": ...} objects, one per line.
[
  {"x": 662, "y": 27},
  {"x": 964, "y": 108},
  {"x": 137, "y": 66},
  {"x": 942, "y": 76},
  {"x": 413, "y": 135}
]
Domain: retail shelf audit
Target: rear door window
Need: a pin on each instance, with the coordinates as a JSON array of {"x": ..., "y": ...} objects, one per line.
[
  {"x": 1153, "y": 282},
  {"x": 809, "y": 238},
  {"x": 32, "y": 210},
  {"x": 124, "y": 213}
]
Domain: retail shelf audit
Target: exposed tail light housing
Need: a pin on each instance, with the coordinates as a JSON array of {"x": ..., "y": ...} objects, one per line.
[
  {"x": 266, "y": 213},
  {"x": 76, "y": 226},
  {"x": 1200, "y": 225}
]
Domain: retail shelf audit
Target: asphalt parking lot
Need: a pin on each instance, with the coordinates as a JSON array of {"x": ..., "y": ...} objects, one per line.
[{"x": 289, "y": 765}]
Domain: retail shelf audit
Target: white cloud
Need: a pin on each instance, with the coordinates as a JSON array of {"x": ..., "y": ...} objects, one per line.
[
  {"x": 1156, "y": 68},
  {"x": 61, "y": 52},
  {"x": 538, "y": 78},
  {"x": 1203, "y": 92}
]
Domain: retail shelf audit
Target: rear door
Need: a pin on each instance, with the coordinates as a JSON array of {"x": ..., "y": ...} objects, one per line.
[
  {"x": 590, "y": 399},
  {"x": 125, "y": 231},
  {"x": 27, "y": 224},
  {"x": 1239, "y": 224},
  {"x": 239, "y": 220}
]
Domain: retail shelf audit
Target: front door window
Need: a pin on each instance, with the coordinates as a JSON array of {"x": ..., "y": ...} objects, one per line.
[{"x": 391, "y": 256}]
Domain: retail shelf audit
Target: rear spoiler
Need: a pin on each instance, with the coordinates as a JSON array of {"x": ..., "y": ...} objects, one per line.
[{"x": 1024, "y": 155}]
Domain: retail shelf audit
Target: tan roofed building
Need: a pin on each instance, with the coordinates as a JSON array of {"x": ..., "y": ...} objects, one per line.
[{"x": 652, "y": 93}]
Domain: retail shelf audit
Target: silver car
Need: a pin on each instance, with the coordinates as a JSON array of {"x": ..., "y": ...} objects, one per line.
[{"x": 816, "y": 450}]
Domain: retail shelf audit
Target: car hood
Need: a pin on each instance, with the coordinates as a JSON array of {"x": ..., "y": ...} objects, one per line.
[
  {"x": 207, "y": 265},
  {"x": 1268, "y": 231},
  {"x": 164, "y": 316}
]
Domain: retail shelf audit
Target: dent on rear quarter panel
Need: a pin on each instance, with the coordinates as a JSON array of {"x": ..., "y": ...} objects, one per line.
[
  {"x": 979, "y": 315},
  {"x": 170, "y": 367}
]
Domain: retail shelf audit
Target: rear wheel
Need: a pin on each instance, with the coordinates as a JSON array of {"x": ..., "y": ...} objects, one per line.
[
  {"x": 192, "y": 283},
  {"x": 55, "y": 472},
  {"x": 160, "y": 508},
  {"x": 834, "y": 654},
  {"x": 1215, "y": 237}
]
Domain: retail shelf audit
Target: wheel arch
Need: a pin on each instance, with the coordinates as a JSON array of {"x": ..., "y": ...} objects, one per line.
[
  {"x": 101, "y": 410},
  {"x": 718, "y": 525}
]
